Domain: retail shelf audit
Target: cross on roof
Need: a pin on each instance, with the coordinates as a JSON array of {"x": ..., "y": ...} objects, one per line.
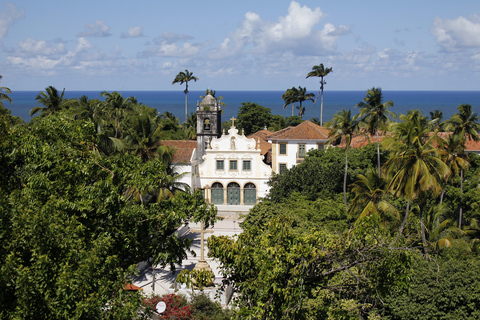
[{"x": 233, "y": 121}]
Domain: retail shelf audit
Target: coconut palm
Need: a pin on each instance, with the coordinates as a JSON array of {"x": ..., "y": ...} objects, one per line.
[
  {"x": 370, "y": 198},
  {"x": 185, "y": 77},
  {"x": 375, "y": 115},
  {"x": 415, "y": 166},
  {"x": 321, "y": 72},
  {"x": 51, "y": 100},
  {"x": 342, "y": 127},
  {"x": 3, "y": 94},
  {"x": 290, "y": 96},
  {"x": 465, "y": 123},
  {"x": 190, "y": 126},
  {"x": 436, "y": 123},
  {"x": 456, "y": 159}
]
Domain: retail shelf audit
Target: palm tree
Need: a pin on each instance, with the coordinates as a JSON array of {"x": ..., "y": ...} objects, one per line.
[
  {"x": 370, "y": 192},
  {"x": 343, "y": 126},
  {"x": 415, "y": 166},
  {"x": 290, "y": 96},
  {"x": 302, "y": 96},
  {"x": 436, "y": 123},
  {"x": 116, "y": 107},
  {"x": 465, "y": 122},
  {"x": 190, "y": 126},
  {"x": 3, "y": 94},
  {"x": 375, "y": 115},
  {"x": 301, "y": 111},
  {"x": 320, "y": 71},
  {"x": 185, "y": 77},
  {"x": 51, "y": 100}
]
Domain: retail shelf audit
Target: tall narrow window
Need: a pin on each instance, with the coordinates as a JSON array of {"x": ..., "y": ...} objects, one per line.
[
  {"x": 283, "y": 148},
  {"x": 233, "y": 165},
  {"x": 301, "y": 151},
  {"x": 282, "y": 167},
  {"x": 220, "y": 165},
  {"x": 247, "y": 165}
]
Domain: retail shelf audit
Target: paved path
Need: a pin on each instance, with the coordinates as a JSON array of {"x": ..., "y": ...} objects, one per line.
[{"x": 165, "y": 279}]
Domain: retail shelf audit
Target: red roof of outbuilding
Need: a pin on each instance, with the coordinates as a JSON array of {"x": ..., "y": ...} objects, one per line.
[{"x": 306, "y": 130}]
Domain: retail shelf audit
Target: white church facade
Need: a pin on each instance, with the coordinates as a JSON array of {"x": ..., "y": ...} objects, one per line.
[{"x": 232, "y": 169}]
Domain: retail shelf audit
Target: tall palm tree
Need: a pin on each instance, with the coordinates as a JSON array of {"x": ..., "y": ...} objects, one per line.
[
  {"x": 3, "y": 94},
  {"x": 457, "y": 160},
  {"x": 375, "y": 115},
  {"x": 51, "y": 100},
  {"x": 464, "y": 124},
  {"x": 290, "y": 96},
  {"x": 343, "y": 126},
  {"x": 302, "y": 96},
  {"x": 415, "y": 166},
  {"x": 185, "y": 77},
  {"x": 321, "y": 72}
]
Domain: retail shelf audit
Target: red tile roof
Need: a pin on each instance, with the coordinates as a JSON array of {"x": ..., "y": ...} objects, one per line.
[
  {"x": 132, "y": 287},
  {"x": 265, "y": 146},
  {"x": 306, "y": 130},
  {"x": 183, "y": 149}
]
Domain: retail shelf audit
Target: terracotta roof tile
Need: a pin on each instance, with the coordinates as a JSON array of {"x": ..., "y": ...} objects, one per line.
[
  {"x": 265, "y": 146},
  {"x": 306, "y": 130},
  {"x": 184, "y": 149}
]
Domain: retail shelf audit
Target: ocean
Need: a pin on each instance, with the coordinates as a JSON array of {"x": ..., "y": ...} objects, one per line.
[{"x": 174, "y": 101}]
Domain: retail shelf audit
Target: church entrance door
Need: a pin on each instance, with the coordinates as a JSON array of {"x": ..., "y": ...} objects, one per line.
[
  {"x": 217, "y": 193},
  {"x": 250, "y": 194},
  {"x": 233, "y": 194}
]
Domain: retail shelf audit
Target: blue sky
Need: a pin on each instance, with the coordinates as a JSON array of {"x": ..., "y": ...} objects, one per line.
[{"x": 240, "y": 45}]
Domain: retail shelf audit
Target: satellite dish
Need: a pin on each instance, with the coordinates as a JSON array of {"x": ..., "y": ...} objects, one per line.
[{"x": 161, "y": 306}]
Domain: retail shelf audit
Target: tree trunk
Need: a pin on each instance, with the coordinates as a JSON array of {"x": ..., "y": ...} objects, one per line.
[
  {"x": 402, "y": 226},
  {"x": 186, "y": 103},
  {"x": 345, "y": 179},
  {"x": 321, "y": 107},
  {"x": 378, "y": 155},
  {"x": 293, "y": 108},
  {"x": 424, "y": 240},
  {"x": 443, "y": 192},
  {"x": 460, "y": 217}
]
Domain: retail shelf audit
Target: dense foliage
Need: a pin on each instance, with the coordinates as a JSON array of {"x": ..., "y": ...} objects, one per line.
[{"x": 77, "y": 216}]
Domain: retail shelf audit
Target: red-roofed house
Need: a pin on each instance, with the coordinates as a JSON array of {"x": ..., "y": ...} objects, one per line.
[{"x": 290, "y": 145}]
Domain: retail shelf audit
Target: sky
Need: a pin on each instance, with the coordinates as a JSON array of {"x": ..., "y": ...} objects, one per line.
[{"x": 240, "y": 45}]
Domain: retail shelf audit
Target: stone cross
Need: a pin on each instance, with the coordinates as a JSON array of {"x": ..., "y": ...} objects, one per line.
[
  {"x": 202, "y": 263},
  {"x": 233, "y": 121}
]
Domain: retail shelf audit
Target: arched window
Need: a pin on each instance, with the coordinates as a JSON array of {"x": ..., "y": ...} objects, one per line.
[
  {"x": 217, "y": 193},
  {"x": 250, "y": 194},
  {"x": 233, "y": 193}
]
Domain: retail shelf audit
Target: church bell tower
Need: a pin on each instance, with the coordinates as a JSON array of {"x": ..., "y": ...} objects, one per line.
[{"x": 209, "y": 123}]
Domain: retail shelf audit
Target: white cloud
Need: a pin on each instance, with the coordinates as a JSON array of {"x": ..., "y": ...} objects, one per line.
[
  {"x": 166, "y": 49},
  {"x": 458, "y": 34},
  {"x": 133, "y": 32},
  {"x": 98, "y": 29},
  {"x": 8, "y": 18},
  {"x": 171, "y": 37},
  {"x": 40, "y": 47},
  {"x": 297, "y": 32}
]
